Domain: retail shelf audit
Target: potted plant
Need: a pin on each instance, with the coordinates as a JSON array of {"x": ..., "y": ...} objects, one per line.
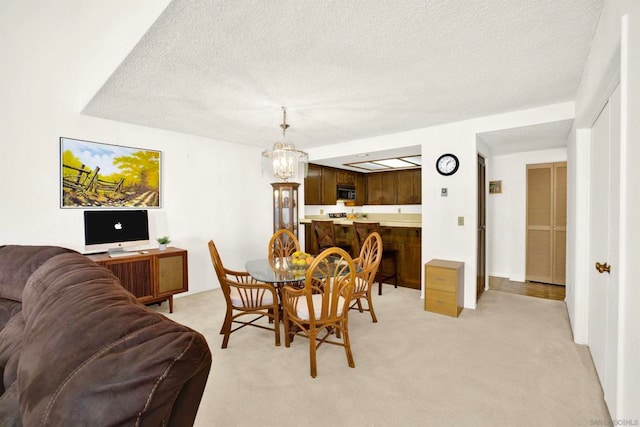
[{"x": 163, "y": 242}]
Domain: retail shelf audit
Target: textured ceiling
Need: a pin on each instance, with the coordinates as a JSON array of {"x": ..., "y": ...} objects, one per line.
[{"x": 346, "y": 69}]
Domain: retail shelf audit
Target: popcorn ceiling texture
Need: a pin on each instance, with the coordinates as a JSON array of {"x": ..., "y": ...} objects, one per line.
[{"x": 346, "y": 69}]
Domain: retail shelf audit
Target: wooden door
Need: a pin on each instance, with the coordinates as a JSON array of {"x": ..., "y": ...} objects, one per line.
[
  {"x": 604, "y": 240},
  {"x": 546, "y": 222},
  {"x": 482, "y": 229}
]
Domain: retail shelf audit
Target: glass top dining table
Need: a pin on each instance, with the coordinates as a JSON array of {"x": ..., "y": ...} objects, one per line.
[{"x": 267, "y": 271}]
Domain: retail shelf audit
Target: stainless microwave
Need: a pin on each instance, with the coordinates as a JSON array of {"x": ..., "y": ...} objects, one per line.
[{"x": 346, "y": 193}]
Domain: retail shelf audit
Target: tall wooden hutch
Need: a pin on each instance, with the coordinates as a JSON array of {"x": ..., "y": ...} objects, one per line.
[{"x": 285, "y": 206}]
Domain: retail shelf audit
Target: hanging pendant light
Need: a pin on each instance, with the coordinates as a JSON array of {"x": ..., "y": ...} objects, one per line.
[{"x": 284, "y": 155}]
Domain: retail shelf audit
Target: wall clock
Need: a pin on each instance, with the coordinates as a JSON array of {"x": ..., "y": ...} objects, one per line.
[{"x": 447, "y": 164}]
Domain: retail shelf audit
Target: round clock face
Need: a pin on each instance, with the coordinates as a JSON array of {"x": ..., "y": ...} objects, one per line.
[{"x": 447, "y": 164}]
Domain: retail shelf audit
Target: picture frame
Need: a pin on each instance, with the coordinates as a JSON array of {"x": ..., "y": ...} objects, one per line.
[
  {"x": 99, "y": 175},
  {"x": 495, "y": 187}
]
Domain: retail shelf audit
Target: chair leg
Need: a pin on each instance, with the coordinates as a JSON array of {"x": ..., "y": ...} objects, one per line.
[
  {"x": 276, "y": 325},
  {"x": 287, "y": 333},
  {"x": 226, "y": 329},
  {"x": 312, "y": 353},
  {"x": 370, "y": 302},
  {"x": 347, "y": 346}
]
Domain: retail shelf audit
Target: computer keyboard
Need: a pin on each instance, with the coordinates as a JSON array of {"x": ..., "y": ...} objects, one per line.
[{"x": 121, "y": 254}]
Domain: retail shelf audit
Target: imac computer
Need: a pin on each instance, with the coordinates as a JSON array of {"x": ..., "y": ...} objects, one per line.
[{"x": 115, "y": 230}]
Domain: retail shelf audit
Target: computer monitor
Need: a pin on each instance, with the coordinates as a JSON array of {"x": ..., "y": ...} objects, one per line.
[{"x": 115, "y": 230}]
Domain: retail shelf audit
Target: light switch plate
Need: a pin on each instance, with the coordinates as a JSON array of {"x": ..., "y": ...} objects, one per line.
[{"x": 460, "y": 220}]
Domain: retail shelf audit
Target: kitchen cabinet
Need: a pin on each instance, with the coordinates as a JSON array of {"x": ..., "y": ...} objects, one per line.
[
  {"x": 444, "y": 287},
  {"x": 361, "y": 189},
  {"x": 321, "y": 185},
  {"x": 381, "y": 188},
  {"x": 153, "y": 276},
  {"x": 285, "y": 206},
  {"x": 409, "y": 187},
  {"x": 329, "y": 186},
  {"x": 345, "y": 177},
  {"x": 406, "y": 240},
  {"x": 313, "y": 185}
]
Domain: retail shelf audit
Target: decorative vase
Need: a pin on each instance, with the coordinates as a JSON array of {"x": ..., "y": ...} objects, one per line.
[{"x": 162, "y": 246}]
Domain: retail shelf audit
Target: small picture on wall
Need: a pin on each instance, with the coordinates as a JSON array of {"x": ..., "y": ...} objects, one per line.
[
  {"x": 97, "y": 175},
  {"x": 495, "y": 187}
]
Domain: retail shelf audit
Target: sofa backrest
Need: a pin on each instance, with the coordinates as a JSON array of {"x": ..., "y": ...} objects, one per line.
[{"x": 93, "y": 355}]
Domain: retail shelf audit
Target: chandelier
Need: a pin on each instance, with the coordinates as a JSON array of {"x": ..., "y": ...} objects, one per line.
[{"x": 284, "y": 155}]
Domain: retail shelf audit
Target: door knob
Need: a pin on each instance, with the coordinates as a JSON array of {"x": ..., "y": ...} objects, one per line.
[{"x": 603, "y": 267}]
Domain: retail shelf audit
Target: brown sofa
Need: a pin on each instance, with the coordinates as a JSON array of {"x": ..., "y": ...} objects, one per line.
[{"x": 77, "y": 349}]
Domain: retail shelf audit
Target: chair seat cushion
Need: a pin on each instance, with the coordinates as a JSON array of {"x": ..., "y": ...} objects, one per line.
[
  {"x": 236, "y": 298},
  {"x": 303, "y": 309}
]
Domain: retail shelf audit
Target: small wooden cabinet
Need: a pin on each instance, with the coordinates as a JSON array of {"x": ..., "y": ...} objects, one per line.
[
  {"x": 154, "y": 276},
  {"x": 444, "y": 287}
]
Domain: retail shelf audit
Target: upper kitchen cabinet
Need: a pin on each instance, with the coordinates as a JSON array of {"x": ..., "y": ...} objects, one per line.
[
  {"x": 320, "y": 185},
  {"x": 329, "y": 186},
  {"x": 381, "y": 188},
  {"x": 361, "y": 193},
  {"x": 345, "y": 177},
  {"x": 313, "y": 185},
  {"x": 409, "y": 187}
]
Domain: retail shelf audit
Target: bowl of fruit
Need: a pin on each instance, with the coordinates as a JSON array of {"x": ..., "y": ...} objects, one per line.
[{"x": 299, "y": 261}]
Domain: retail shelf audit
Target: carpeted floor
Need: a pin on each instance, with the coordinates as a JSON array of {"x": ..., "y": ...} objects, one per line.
[{"x": 511, "y": 361}]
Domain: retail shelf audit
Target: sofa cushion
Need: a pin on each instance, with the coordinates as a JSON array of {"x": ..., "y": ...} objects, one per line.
[
  {"x": 113, "y": 362},
  {"x": 8, "y": 308},
  {"x": 11, "y": 338},
  {"x": 18, "y": 263}
]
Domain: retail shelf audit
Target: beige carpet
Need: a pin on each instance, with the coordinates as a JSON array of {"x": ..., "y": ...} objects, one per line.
[{"x": 510, "y": 362}]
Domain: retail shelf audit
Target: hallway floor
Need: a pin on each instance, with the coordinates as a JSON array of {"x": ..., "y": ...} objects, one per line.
[{"x": 534, "y": 289}]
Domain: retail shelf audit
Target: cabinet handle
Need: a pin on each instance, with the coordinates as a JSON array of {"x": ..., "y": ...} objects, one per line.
[{"x": 603, "y": 267}]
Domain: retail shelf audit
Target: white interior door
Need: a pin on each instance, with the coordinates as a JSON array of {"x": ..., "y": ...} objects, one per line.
[{"x": 603, "y": 244}]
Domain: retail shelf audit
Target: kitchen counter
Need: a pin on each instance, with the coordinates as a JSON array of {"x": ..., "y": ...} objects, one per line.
[
  {"x": 400, "y": 232},
  {"x": 385, "y": 220}
]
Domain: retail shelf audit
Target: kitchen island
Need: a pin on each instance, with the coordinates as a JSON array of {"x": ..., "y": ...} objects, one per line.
[{"x": 402, "y": 232}]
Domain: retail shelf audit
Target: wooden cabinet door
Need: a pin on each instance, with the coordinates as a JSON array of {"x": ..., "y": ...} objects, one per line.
[
  {"x": 172, "y": 273},
  {"x": 409, "y": 187},
  {"x": 135, "y": 275},
  {"x": 361, "y": 188},
  {"x": 329, "y": 186},
  {"x": 381, "y": 188},
  {"x": 345, "y": 177},
  {"x": 546, "y": 222},
  {"x": 410, "y": 260},
  {"x": 313, "y": 185}
]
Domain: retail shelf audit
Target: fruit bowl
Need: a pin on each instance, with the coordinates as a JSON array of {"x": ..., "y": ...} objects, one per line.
[{"x": 299, "y": 261}]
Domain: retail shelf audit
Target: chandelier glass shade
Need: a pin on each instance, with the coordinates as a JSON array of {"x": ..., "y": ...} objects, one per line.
[{"x": 284, "y": 156}]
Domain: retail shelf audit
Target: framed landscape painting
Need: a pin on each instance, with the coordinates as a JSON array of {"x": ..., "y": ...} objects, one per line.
[{"x": 96, "y": 175}]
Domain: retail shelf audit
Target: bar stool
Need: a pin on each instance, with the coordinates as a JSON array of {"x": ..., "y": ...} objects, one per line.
[
  {"x": 362, "y": 230},
  {"x": 326, "y": 235}
]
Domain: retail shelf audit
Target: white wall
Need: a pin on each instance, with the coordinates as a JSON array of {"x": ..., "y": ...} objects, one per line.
[
  {"x": 506, "y": 211},
  {"x": 616, "y": 45},
  {"x": 51, "y": 54}
]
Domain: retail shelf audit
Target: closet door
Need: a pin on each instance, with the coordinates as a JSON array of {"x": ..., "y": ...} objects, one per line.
[{"x": 546, "y": 222}]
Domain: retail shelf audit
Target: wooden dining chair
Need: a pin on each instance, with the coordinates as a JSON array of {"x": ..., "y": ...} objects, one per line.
[
  {"x": 319, "y": 311},
  {"x": 390, "y": 255},
  {"x": 367, "y": 266},
  {"x": 245, "y": 296},
  {"x": 282, "y": 245},
  {"x": 325, "y": 233}
]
